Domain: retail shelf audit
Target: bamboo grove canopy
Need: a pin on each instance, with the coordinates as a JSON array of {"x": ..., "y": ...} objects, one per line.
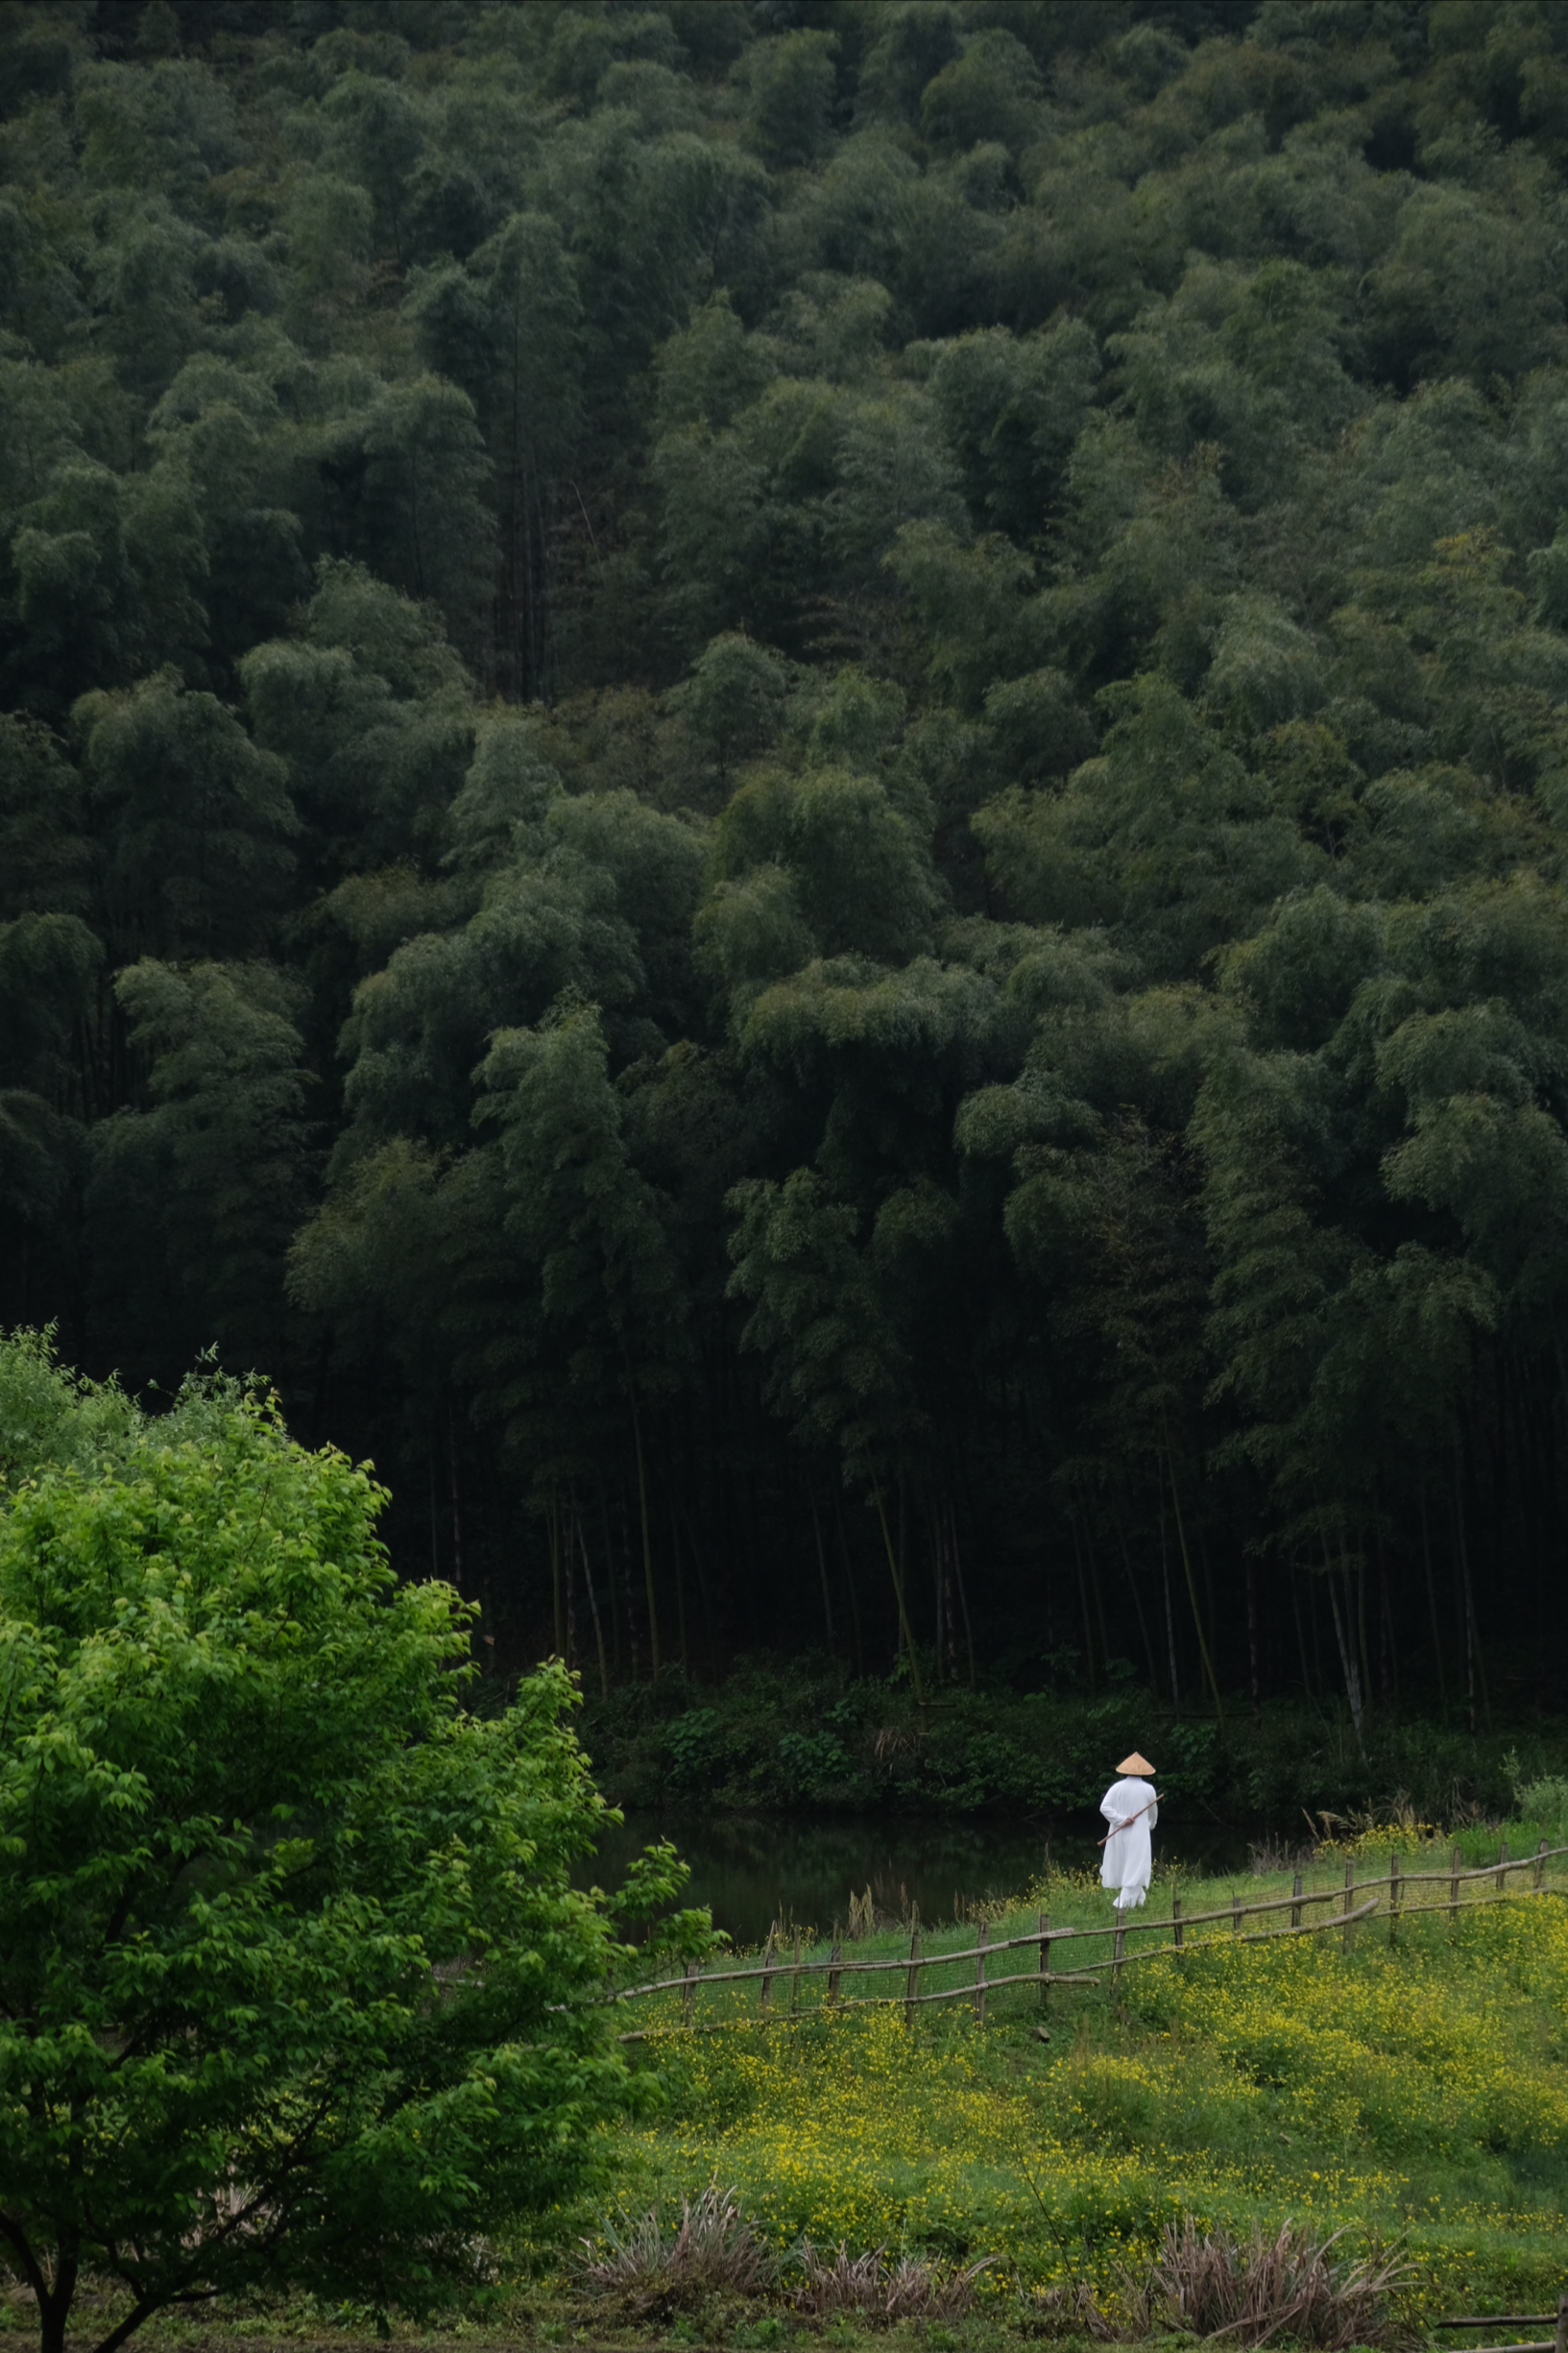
[{"x": 782, "y": 786}]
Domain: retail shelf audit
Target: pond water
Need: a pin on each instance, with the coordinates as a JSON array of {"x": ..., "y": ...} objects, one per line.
[{"x": 756, "y": 1869}]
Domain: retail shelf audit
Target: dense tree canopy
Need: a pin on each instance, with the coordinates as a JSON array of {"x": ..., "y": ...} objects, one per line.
[{"x": 783, "y": 785}]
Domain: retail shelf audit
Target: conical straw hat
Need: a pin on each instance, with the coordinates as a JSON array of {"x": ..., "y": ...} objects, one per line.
[{"x": 1135, "y": 1764}]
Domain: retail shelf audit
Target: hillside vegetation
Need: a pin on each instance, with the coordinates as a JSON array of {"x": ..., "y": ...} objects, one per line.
[{"x": 784, "y": 787}]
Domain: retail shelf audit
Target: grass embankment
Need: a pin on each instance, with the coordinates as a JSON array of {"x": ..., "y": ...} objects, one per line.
[{"x": 1415, "y": 2090}]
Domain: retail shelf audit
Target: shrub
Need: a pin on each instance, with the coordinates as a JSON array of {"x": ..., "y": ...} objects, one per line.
[
  {"x": 908, "y": 2290},
  {"x": 713, "y": 2247},
  {"x": 1210, "y": 2283}
]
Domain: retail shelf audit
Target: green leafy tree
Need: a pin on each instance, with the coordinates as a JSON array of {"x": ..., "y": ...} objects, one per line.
[{"x": 297, "y": 1988}]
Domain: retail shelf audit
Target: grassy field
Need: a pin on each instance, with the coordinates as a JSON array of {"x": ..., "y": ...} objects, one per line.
[
  {"x": 1412, "y": 2090},
  {"x": 1409, "y": 2092}
]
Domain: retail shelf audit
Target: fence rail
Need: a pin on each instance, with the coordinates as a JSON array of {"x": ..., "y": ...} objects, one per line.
[{"x": 1389, "y": 1886}]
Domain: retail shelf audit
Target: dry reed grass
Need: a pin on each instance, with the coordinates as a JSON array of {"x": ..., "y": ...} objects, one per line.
[
  {"x": 877, "y": 2289},
  {"x": 1210, "y": 2284},
  {"x": 713, "y": 2249}
]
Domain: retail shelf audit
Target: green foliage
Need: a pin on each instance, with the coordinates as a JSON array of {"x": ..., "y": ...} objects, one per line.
[{"x": 297, "y": 1987}]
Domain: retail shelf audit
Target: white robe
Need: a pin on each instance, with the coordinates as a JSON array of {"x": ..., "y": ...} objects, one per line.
[{"x": 1128, "y": 1855}]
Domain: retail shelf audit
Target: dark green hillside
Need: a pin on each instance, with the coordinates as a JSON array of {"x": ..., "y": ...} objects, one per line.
[{"x": 786, "y": 787}]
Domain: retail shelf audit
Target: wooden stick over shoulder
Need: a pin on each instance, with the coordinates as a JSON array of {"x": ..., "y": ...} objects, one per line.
[{"x": 1130, "y": 1820}]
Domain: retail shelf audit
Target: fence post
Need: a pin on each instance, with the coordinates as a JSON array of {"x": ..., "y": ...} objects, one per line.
[
  {"x": 1119, "y": 1945},
  {"x": 1295, "y": 1908},
  {"x": 1393, "y": 1896},
  {"x": 912, "y": 1981},
  {"x": 1540, "y": 1867},
  {"x": 795, "y": 1977},
  {"x": 1045, "y": 1959},
  {"x": 688, "y": 1993},
  {"x": 979, "y": 1975},
  {"x": 1350, "y": 1901},
  {"x": 1562, "y": 2322},
  {"x": 1454, "y": 1889},
  {"x": 1176, "y": 1924},
  {"x": 1236, "y": 1915},
  {"x": 767, "y": 1976},
  {"x": 1501, "y": 1858},
  {"x": 834, "y": 1959}
]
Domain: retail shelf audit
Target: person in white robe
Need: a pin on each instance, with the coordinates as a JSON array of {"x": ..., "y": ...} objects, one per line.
[{"x": 1131, "y": 1809}]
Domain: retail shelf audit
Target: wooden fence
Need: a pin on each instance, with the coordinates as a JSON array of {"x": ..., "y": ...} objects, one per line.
[
  {"x": 1356, "y": 1901},
  {"x": 1557, "y": 2343}
]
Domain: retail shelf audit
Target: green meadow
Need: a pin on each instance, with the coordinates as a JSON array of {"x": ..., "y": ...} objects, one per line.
[{"x": 1407, "y": 2088}]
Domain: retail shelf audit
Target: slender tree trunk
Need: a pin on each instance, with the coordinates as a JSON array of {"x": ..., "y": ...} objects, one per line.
[
  {"x": 1192, "y": 1589},
  {"x": 1164, "y": 1579},
  {"x": 1084, "y": 1618},
  {"x": 1431, "y": 1605},
  {"x": 593, "y": 1611},
  {"x": 1475, "y": 1665},
  {"x": 680, "y": 1585},
  {"x": 1361, "y": 1621},
  {"x": 850, "y": 1586},
  {"x": 941, "y": 1592},
  {"x": 1387, "y": 1642},
  {"x": 610, "y": 1579},
  {"x": 1096, "y": 1587},
  {"x": 457, "y": 1498},
  {"x": 435, "y": 1545},
  {"x": 1343, "y": 1633},
  {"x": 556, "y": 1596},
  {"x": 709, "y": 1633},
  {"x": 822, "y": 1570},
  {"x": 647, "y": 1540},
  {"x": 1211, "y": 1615},
  {"x": 1300, "y": 1631},
  {"x": 569, "y": 1551},
  {"x": 626, "y": 1579},
  {"x": 962, "y": 1584},
  {"x": 1137, "y": 1597},
  {"x": 898, "y": 1595}
]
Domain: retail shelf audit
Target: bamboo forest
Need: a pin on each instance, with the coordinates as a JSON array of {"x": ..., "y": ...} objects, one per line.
[{"x": 783, "y": 791}]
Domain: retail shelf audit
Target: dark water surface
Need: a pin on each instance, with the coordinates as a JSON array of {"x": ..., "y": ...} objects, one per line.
[{"x": 754, "y": 1869}]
